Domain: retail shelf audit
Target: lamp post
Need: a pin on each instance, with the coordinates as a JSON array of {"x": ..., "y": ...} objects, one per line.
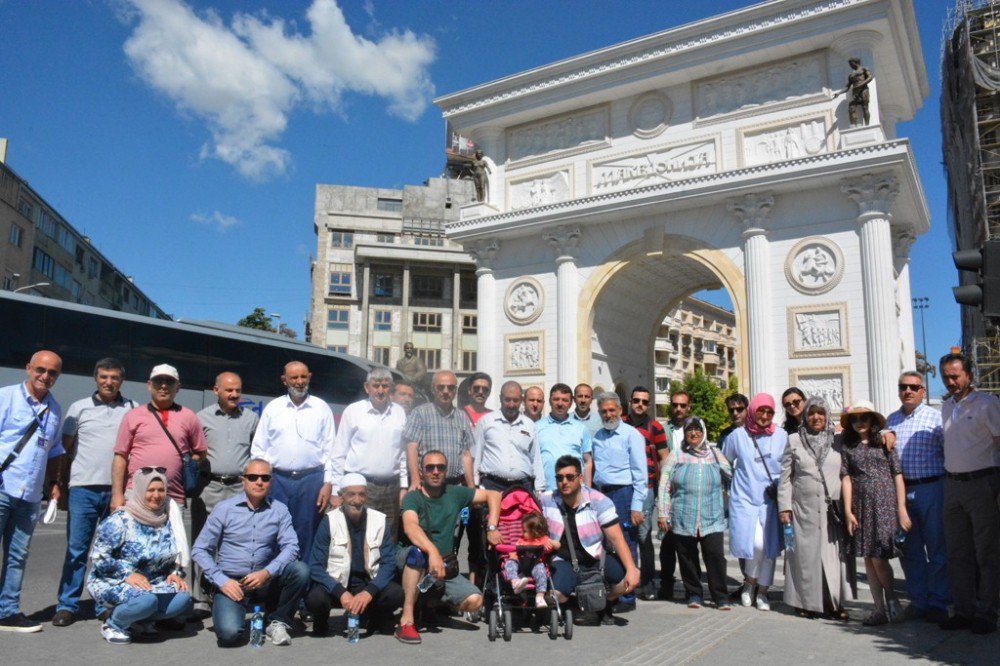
[
  {"x": 921, "y": 304},
  {"x": 32, "y": 286}
]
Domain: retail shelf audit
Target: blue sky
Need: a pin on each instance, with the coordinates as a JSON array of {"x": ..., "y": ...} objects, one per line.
[{"x": 186, "y": 138}]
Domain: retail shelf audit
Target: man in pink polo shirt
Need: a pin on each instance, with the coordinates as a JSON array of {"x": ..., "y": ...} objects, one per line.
[{"x": 142, "y": 443}]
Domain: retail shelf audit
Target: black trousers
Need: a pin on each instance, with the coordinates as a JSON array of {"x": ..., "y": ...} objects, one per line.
[
  {"x": 713, "y": 553},
  {"x": 379, "y": 611},
  {"x": 668, "y": 563}
]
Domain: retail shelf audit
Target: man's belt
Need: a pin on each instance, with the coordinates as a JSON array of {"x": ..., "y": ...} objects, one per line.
[
  {"x": 608, "y": 487},
  {"x": 225, "y": 479},
  {"x": 382, "y": 480},
  {"x": 298, "y": 473},
  {"x": 921, "y": 481},
  {"x": 505, "y": 482},
  {"x": 969, "y": 476}
]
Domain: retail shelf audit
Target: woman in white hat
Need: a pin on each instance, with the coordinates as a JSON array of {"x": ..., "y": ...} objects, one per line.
[{"x": 874, "y": 504}]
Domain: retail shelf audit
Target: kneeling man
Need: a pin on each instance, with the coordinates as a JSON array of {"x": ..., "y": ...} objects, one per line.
[
  {"x": 353, "y": 561},
  {"x": 248, "y": 550}
]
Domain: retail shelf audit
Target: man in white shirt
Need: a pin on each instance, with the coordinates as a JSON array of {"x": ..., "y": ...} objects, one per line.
[
  {"x": 369, "y": 443},
  {"x": 295, "y": 435}
]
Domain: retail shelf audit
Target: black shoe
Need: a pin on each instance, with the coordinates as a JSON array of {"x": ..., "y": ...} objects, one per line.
[
  {"x": 19, "y": 623},
  {"x": 63, "y": 618},
  {"x": 983, "y": 625},
  {"x": 665, "y": 593},
  {"x": 646, "y": 592},
  {"x": 171, "y": 624},
  {"x": 936, "y": 615},
  {"x": 623, "y": 607},
  {"x": 321, "y": 625},
  {"x": 956, "y": 622},
  {"x": 607, "y": 617}
]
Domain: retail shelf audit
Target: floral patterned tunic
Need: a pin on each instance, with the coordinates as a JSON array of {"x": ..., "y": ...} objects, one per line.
[{"x": 124, "y": 546}]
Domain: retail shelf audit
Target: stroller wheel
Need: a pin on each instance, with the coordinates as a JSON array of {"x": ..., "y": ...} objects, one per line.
[
  {"x": 508, "y": 625},
  {"x": 568, "y": 627},
  {"x": 553, "y": 624},
  {"x": 492, "y": 620}
]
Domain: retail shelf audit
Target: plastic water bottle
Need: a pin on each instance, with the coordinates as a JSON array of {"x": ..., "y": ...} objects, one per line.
[
  {"x": 352, "y": 628},
  {"x": 789, "y": 534},
  {"x": 257, "y": 628},
  {"x": 900, "y": 536},
  {"x": 426, "y": 583},
  {"x": 464, "y": 515}
]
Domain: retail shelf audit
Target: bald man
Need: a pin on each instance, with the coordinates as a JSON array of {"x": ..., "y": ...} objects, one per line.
[
  {"x": 29, "y": 446},
  {"x": 296, "y": 434},
  {"x": 534, "y": 403},
  {"x": 229, "y": 429}
]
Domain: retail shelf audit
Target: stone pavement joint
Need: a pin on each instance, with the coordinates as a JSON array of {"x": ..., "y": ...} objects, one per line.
[{"x": 687, "y": 640}]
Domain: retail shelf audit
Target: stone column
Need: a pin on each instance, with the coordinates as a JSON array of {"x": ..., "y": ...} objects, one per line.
[
  {"x": 564, "y": 241},
  {"x": 456, "y": 319},
  {"x": 365, "y": 314},
  {"x": 404, "y": 325},
  {"x": 752, "y": 211},
  {"x": 488, "y": 350},
  {"x": 902, "y": 239},
  {"x": 874, "y": 195}
]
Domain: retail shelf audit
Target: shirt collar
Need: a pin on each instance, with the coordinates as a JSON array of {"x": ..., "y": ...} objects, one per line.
[
  {"x": 31, "y": 399},
  {"x": 371, "y": 409},
  {"x": 219, "y": 411},
  {"x": 241, "y": 499},
  {"x": 172, "y": 408},
  {"x": 305, "y": 402},
  {"x": 118, "y": 400}
]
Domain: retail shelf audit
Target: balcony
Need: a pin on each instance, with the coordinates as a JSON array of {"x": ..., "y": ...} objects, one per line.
[{"x": 665, "y": 345}]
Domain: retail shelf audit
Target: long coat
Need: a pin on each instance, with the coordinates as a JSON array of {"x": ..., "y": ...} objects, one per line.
[
  {"x": 748, "y": 505},
  {"x": 817, "y": 554}
]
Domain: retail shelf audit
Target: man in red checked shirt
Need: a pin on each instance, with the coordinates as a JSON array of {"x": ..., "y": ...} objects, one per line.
[{"x": 656, "y": 452}]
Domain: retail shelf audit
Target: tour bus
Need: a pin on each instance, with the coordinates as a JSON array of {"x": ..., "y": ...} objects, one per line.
[{"x": 82, "y": 334}]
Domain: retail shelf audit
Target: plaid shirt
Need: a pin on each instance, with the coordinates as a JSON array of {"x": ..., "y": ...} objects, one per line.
[
  {"x": 656, "y": 441},
  {"x": 450, "y": 434},
  {"x": 919, "y": 441}
]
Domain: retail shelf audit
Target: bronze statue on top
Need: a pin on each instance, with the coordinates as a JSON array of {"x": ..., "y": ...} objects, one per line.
[
  {"x": 410, "y": 366},
  {"x": 857, "y": 84},
  {"x": 480, "y": 175}
]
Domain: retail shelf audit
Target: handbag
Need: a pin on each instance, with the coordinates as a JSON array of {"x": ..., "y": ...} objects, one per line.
[
  {"x": 771, "y": 492},
  {"x": 191, "y": 469},
  {"x": 591, "y": 593},
  {"x": 834, "y": 518}
]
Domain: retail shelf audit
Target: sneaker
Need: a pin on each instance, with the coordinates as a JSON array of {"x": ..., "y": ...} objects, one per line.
[
  {"x": 694, "y": 601},
  {"x": 956, "y": 622},
  {"x": 473, "y": 617},
  {"x": 876, "y": 618},
  {"x": 983, "y": 625},
  {"x": 762, "y": 603},
  {"x": 114, "y": 636},
  {"x": 724, "y": 606},
  {"x": 624, "y": 607},
  {"x": 278, "y": 633},
  {"x": 518, "y": 585},
  {"x": 540, "y": 601},
  {"x": 407, "y": 633},
  {"x": 20, "y": 624},
  {"x": 63, "y": 618},
  {"x": 746, "y": 595},
  {"x": 895, "y": 612}
]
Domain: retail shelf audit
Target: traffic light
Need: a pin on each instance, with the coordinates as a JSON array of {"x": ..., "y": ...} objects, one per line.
[{"x": 985, "y": 294}]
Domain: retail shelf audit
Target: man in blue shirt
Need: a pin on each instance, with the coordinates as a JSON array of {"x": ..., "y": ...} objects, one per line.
[
  {"x": 248, "y": 550},
  {"x": 559, "y": 435},
  {"x": 619, "y": 452},
  {"x": 28, "y": 413}
]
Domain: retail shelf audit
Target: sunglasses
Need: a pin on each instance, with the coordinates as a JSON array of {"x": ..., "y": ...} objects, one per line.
[
  {"x": 441, "y": 388},
  {"x": 479, "y": 389},
  {"x": 254, "y": 478},
  {"x": 435, "y": 467},
  {"x": 150, "y": 470},
  {"x": 566, "y": 477},
  {"x": 765, "y": 410},
  {"x": 737, "y": 410},
  {"x": 916, "y": 388},
  {"x": 639, "y": 401},
  {"x": 792, "y": 403},
  {"x": 675, "y": 405},
  {"x": 858, "y": 418}
]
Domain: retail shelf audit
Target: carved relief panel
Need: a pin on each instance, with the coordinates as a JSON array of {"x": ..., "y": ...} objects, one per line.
[
  {"x": 661, "y": 165},
  {"x": 833, "y": 383},
  {"x": 564, "y": 132},
  {"x": 815, "y": 265},
  {"x": 765, "y": 86},
  {"x": 524, "y": 300},
  {"x": 787, "y": 141},
  {"x": 539, "y": 190},
  {"x": 818, "y": 330},
  {"x": 524, "y": 353}
]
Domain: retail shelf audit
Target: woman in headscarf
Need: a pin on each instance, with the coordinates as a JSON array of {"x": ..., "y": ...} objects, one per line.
[
  {"x": 755, "y": 452},
  {"x": 815, "y": 572},
  {"x": 135, "y": 553},
  {"x": 692, "y": 508}
]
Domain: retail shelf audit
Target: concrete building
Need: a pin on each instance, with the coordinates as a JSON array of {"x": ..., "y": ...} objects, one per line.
[
  {"x": 43, "y": 251},
  {"x": 385, "y": 274},
  {"x": 694, "y": 335}
]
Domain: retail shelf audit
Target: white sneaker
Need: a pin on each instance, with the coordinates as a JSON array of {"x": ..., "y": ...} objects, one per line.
[
  {"x": 278, "y": 633},
  {"x": 114, "y": 636},
  {"x": 746, "y": 595},
  {"x": 518, "y": 585},
  {"x": 762, "y": 603},
  {"x": 895, "y": 612}
]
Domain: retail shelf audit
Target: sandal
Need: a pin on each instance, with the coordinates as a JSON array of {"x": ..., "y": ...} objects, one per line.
[
  {"x": 841, "y": 614},
  {"x": 877, "y": 618}
]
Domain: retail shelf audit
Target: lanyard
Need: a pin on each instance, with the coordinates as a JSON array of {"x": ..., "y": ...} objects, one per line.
[{"x": 38, "y": 415}]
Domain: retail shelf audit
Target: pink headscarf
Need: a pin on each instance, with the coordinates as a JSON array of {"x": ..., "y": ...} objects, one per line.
[{"x": 758, "y": 401}]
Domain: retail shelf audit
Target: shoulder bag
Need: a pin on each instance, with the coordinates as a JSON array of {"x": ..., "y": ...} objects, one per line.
[
  {"x": 591, "y": 593},
  {"x": 771, "y": 492},
  {"x": 9, "y": 460},
  {"x": 191, "y": 469}
]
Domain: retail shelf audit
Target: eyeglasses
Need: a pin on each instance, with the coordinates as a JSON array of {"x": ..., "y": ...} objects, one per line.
[
  {"x": 566, "y": 477},
  {"x": 441, "y": 388},
  {"x": 480, "y": 389},
  {"x": 51, "y": 372},
  {"x": 737, "y": 410},
  {"x": 675, "y": 405},
  {"x": 639, "y": 401},
  {"x": 150, "y": 470},
  {"x": 254, "y": 478},
  {"x": 765, "y": 410},
  {"x": 916, "y": 388},
  {"x": 435, "y": 467},
  {"x": 792, "y": 403},
  {"x": 380, "y": 384},
  {"x": 858, "y": 418}
]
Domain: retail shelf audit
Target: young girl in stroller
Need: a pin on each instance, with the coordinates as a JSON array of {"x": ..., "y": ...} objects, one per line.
[{"x": 529, "y": 554}]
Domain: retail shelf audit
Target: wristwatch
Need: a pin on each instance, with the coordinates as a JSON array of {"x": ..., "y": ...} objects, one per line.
[{"x": 491, "y": 528}]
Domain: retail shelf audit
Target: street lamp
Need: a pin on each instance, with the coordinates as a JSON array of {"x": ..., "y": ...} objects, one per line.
[
  {"x": 921, "y": 304},
  {"x": 32, "y": 286}
]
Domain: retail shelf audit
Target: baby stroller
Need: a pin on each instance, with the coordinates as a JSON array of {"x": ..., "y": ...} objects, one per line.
[{"x": 500, "y": 601}]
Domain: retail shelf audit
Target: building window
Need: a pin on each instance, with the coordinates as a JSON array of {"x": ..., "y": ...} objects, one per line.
[
  {"x": 338, "y": 318},
  {"x": 662, "y": 384},
  {"x": 337, "y": 349},
  {"x": 427, "y": 322},
  {"x": 385, "y": 238},
  {"x": 63, "y": 277},
  {"x": 389, "y": 205},
  {"x": 26, "y": 209},
  {"x": 469, "y": 361},
  {"x": 430, "y": 241},
  {"x": 65, "y": 239},
  {"x": 9, "y": 281},
  {"x": 467, "y": 288},
  {"x": 382, "y": 285},
  {"x": 340, "y": 283},
  {"x": 43, "y": 263},
  {"x": 469, "y": 323},
  {"x": 76, "y": 289},
  {"x": 709, "y": 346},
  {"x": 380, "y": 355},
  {"x": 430, "y": 357},
  {"x": 344, "y": 239},
  {"x": 93, "y": 268},
  {"x": 383, "y": 320},
  {"x": 16, "y": 235},
  {"x": 428, "y": 286}
]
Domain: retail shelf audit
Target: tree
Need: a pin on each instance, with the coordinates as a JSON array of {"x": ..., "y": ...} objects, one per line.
[
  {"x": 708, "y": 400},
  {"x": 284, "y": 329},
  {"x": 257, "y": 319}
]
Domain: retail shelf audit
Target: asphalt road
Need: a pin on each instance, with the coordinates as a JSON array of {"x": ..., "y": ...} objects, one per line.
[{"x": 657, "y": 632}]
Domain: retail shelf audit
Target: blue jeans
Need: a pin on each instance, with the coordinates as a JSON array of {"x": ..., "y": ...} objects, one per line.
[
  {"x": 17, "y": 523},
  {"x": 88, "y": 505},
  {"x": 149, "y": 606},
  {"x": 621, "y": 497},
  {"x": 924, "y": 557},
  {"x": 280, "y": 596}
]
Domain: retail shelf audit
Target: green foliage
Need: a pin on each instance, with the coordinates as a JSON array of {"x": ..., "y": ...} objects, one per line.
[
  {"x": 257, "y": 319},
  {"x": 708, "y": 400}
]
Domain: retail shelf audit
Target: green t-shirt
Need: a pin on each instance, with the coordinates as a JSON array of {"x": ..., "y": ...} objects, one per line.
[{"x": 437, "y": 517}]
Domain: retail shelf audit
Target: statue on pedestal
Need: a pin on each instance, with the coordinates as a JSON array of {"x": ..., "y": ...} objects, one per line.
[
  {"x": 857, "y": 85},
  {"x": 480, "y": 176},
  {"x": 411, "y": 367}
]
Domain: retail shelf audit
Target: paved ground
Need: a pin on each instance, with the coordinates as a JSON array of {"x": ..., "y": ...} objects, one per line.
[{"x": 657, "y": 633}]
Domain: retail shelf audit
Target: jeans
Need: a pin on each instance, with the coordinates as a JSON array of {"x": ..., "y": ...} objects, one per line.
[
  {"x": 88, "y": 505},
  {"x": 647, "y": 565},
  {"x": 17, "y": 523},
  {"x": 149, "y": 606},
  {"x": 299, "y": 495},
  {"x": 925, "y": 559},
  {"x": 280, "y": 595},
  {"x": 379, "y": 612},
  {"x": 621, "y": 497}
]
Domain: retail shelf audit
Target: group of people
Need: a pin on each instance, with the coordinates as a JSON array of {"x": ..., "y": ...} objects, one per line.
[{"x": 295, "y": 514}]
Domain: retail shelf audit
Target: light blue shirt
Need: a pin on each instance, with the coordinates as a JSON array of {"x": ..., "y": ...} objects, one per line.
[
  {"x": 560, "y": 438},
  {"x": 24, "y": 478},
  {"x": 592, "y": 423},
  {"x": 620, "y": 460}
]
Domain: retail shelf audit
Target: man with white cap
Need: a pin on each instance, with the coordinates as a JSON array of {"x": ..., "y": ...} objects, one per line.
[
  {"x": 157, "y": 434},
  {"x": 353, "y": 562}
]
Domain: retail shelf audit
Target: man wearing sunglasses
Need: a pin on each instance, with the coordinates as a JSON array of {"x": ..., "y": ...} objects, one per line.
[
  {"x": 736, "y": 407},
  {"x": 920, "y": 444},
  {"x": 480, "y": 387},
  {"x": 248, "y": 550},
  {"x": 652, "y": 432}
]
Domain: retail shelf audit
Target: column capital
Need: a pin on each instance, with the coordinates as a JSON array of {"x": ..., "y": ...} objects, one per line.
[
  {"x": 902, "y": 240},
  {"x": 563, "y": 240},
  {"x": 483, "y": 252},
  {"x": 874, "y": 194},
  {"x": 752, "y": 210}
]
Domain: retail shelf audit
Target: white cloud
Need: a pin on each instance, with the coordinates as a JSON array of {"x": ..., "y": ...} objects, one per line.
[
  {"x": 245, "y": 79},
  {"x": 220, "y": 221}
]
